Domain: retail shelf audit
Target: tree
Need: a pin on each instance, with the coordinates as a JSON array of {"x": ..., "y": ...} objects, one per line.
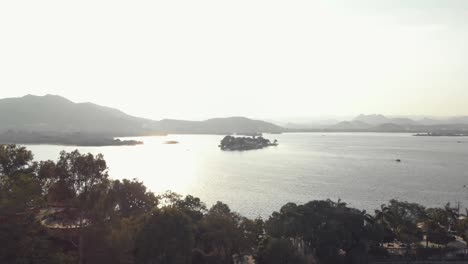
[
  {"x": 131, "y": 197},
  {"x": 169, "y": 198},
  {"x": 405, "y": 219},
  {"x": 438, "y": 216},
  {"x": 324, "y": 229},
  {"x": 384, "y": 215},
  {"x": 462, "y": 228},
  {"x": 85, "y": 179},
  {"x": 166, "y": 237},
  {"x": 288, "y": 222},
  {"x": 224, "y": 233},
  {"x": 452, "y": 216},
  {"x": 278, "y": 251},
  {"x": 219, "y": 232},
  {"x": 15, "y": 160},
  {"x": 21, "y": 236},
  {"x": 253, "y": 232},
  {"x": 192, "y": 206},
  {"x": 20, "y": 188},
  {"x": 331, "y": 227},
  {"x": 226, "y": 141},
  {"x": 437, "y": 224},
  {"x": 437, "y": 234}
]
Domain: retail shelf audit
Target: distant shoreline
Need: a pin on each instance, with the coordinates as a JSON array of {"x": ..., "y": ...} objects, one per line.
[
  {"x": 65, "y": 139},
  {"x": 89, "y": 140},
  {"x": 106, "y": 143},
  {"x": 441, "y": 135}
]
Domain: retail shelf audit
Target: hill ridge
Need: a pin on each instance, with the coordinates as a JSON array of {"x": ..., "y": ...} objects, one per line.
[{"x": 57, "y": 114}]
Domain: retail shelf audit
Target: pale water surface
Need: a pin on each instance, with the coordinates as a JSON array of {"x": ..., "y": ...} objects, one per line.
[{"x": 359, "y": 168}]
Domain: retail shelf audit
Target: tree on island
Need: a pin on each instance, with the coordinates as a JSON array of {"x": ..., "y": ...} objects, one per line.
[{"x": 245, "y": 143}]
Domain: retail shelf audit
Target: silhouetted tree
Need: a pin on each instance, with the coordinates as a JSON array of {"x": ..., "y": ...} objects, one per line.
[
  {"x": 21, "y": 236},
  {"x": 131, "y": 197},
  {"x": 278, "y": 251},
  {"x": 85, "y": 176},
  {"x": 166, "y": 237}
]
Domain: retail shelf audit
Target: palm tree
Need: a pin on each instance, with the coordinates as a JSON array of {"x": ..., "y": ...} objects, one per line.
[
  {"x": 386, "y": 219},
  {"x": 368, "y": 218},
  {"x": 384, "y": 216},
  {"x": 452, "y": 215},
  {"x": 429, "y": 225},
  {"x": 340, "y": 203}
]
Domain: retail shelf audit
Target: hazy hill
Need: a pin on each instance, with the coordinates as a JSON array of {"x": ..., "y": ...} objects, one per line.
[
  {"x": 390, "y": 127},
  {"x": 372, "y": 119},
  {"x": 381, "y": 119},
  {"x": 381, "y": 123},
  {"x": 52, "y": 114},
  {"x": 218, "y": 126},
  {"x": 351, "y": 125},
  {"x": 240, "y": 125},
  {"x": 429, "y": 121},
  {"x": 53, "y": 118},
  {"x": 458, "y": 120}
]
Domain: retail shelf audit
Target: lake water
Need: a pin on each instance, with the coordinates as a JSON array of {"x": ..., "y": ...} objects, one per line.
[{"x": 359, "y": 168}]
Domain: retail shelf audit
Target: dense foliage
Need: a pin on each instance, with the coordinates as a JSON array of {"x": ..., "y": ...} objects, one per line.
[
  {"x": 245, "y": 143},
  {"x": 70, "y": 211}
]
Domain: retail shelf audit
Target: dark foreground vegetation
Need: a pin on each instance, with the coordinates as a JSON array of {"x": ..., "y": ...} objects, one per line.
[{"x": 70, "y": 211}]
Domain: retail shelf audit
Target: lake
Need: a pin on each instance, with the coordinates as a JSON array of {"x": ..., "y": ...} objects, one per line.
[{"x": 359, "y": 168}]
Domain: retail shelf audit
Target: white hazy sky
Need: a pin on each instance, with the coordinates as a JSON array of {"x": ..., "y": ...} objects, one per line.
[{"x": 265, "y": 59}]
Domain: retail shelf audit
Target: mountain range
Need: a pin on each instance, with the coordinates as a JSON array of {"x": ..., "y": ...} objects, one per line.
[
  {"x": 53, "y": 114},
  {"x": 381, "y": 123},
  {"x": 55, "y": 119}
]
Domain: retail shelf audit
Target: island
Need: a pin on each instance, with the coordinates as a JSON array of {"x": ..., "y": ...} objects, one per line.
[{"x": 245, "y": 143}]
